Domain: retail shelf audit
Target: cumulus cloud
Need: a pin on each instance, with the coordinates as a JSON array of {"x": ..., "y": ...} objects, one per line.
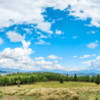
[
  {"x": 28, "y": 11},
  {"x": 1, "y": 40},
  {"x": 93, "y": 64},
  {"x": 31, "y": 12},
  {"x": 54, "y": 57},
  {"x": 48, "y": 65},
  {"x": 45, "y": 26},
  {"x": 15, "y": 37},
  {"x": 84, "y": 9},
  {"x": 19, "y": 58},
  {"x": 52, "y": 64}
]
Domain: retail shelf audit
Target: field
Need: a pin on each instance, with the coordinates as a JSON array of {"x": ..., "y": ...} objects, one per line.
[{"x": 52, "y": 91}]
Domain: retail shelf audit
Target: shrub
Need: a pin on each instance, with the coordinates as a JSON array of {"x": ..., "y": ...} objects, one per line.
[{"x": 61, "y": 80}]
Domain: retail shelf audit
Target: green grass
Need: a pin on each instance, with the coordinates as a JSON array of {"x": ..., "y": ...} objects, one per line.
[
  {"x": 64, "y": 85},
  {"x": 90, "y": 96},
  {"x": 85, "y": 91},
  {"x": 57, "y": 85}
]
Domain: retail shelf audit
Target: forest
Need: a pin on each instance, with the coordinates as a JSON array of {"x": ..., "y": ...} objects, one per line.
[{"x": 30, "y": 78}]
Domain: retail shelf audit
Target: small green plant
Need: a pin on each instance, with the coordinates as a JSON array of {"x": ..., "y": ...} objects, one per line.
[
  {"x": 61, "y": 80},
  {"x": 18, "y": 83}
]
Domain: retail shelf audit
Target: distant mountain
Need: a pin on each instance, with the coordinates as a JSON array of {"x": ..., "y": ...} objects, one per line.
[
  {"x": 84, "y": 72},
  {"x": 80, "y": 73},
  {"x": 3, "y": 72},
  {"x": 7, "y": 71}
]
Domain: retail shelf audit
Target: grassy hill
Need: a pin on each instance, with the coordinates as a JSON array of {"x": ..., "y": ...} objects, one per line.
[{"x": 53, "y": 91}]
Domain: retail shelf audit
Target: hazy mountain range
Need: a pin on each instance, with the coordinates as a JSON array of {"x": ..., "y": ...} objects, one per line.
[{"x": 81, "y": 72}]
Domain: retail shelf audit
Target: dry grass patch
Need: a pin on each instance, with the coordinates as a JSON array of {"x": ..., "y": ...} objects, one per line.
[{"x": 55, "y": 91}]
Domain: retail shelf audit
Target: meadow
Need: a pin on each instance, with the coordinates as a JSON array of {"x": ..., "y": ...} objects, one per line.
[{"x": 53, "y": 90}]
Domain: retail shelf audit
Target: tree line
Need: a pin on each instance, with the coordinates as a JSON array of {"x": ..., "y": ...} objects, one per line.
[{"x": 29, "y": 78}]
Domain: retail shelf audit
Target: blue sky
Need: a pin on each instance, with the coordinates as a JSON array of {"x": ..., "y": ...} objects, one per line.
[{"x": 51, "y": 35}]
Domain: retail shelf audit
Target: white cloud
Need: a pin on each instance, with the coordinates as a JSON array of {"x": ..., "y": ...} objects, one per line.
[
  {"x": 54, "y": 57},
  {"x": 87, "y": 56},
  {"x": 1, "y": 41},
  {"x": 42, "y": 42},
  {"x": 93, "y": 64},
  {"x": 48, "y": 64},
  {"x": 15, "y": 37},
  {"x": 39, "y": 58},
  {"x": 19, "y": 58},
  {"x": 42, "y": 36},
  {"x": 88, "y": 62},
  {"x": 59, "y": 32},
  {"x": 45, "y": 26},
  {"x": 28, "y": 11},
  {"x": 84, "y": 9},
  {"x": 92, "y": 45}
]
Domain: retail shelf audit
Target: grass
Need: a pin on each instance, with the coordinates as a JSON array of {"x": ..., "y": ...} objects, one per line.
[
  {"x": 55, "y": 91},
  {"x": 18, "y": 98},
  {"x": 56, "y": 85},
  {"x": 1, "y": 94},
  {"x": 88, "y": 96}
]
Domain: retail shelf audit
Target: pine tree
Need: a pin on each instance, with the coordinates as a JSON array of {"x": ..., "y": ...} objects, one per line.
[
  {"x": 67, "y": 77},
  {"x": 75, "y": 77},
  {"x": 97, "y": 79}
]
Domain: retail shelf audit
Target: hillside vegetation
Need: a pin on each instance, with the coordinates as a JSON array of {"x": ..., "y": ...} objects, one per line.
[
  {"x": 29, "y": 78},
  {"x": 49, "y": 86}
]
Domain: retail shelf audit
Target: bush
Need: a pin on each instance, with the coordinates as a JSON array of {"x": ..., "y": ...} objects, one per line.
[{"x": 61, "y": 80}]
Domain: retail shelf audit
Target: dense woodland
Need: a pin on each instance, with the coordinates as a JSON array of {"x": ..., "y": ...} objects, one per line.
[{"x": 29, "y": 78}]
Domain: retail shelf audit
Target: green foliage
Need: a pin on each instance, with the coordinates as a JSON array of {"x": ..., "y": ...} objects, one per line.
[
  {"x": 18, "y": 83},
  {"x": 75, "y": 77},
  {"x": 61, "y": 81},
  {"x": 97, "y": 79},
  {"x": 29, "y": 78}
]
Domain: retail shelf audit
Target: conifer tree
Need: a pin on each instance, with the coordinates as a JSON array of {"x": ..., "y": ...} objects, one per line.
[
  {"x": 75, "y": 77},
  {"x": 97, "y": 79}
]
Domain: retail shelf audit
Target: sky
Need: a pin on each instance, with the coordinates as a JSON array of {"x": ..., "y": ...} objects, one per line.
[{"x": 50, "y": 35}]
